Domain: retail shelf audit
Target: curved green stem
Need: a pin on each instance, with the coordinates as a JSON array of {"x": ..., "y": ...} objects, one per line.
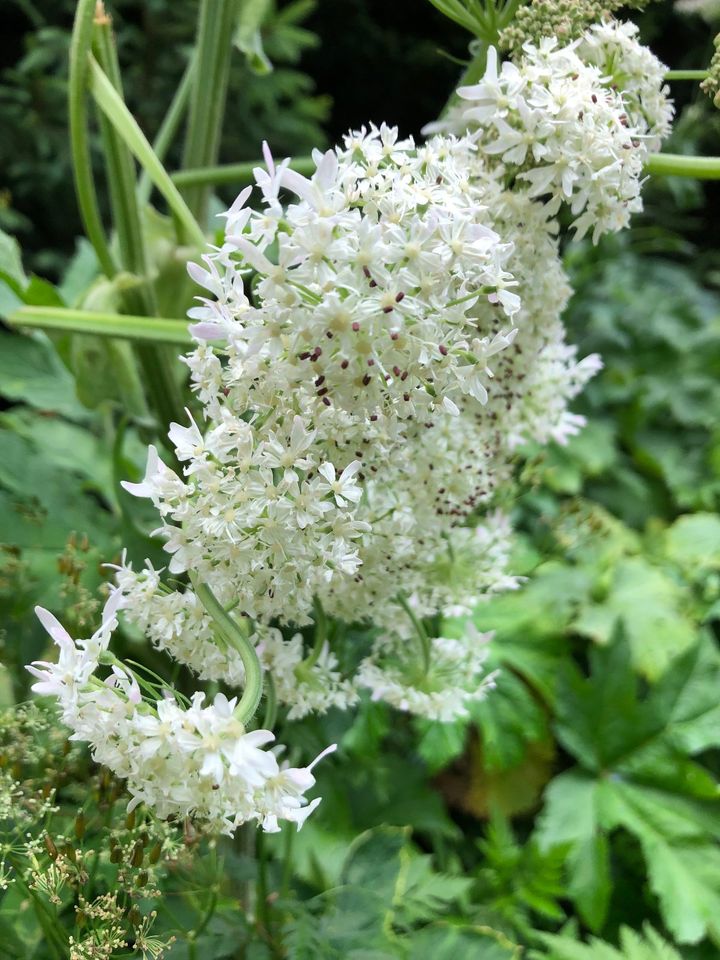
[
  {"x": 234, "y": 173},
  {"x": 160, "y": 380},
  {"x": 169, "y": 127},
  {"x": 678, "y": 165},
  {"x": 112, "y": 105},
  {"x": 419, "y": 630},
  {"x": 233, "y": 635},
  {"x": 80, "y": 45},
  {"x": 271, "y": 704}
]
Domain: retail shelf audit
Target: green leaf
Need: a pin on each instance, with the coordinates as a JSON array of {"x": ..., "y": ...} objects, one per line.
[
  {"x": 31, "y": 371},
  {"x": 635, "y": 773},
  {"x": 648, "y": 603},
  {"x": 449, "y": 941},
  {"x": 248, "y": 36},
  {"x": 11, "y": 268},
  {"x": 693, "y": 542},
  {"x": 648, "y": 945}
]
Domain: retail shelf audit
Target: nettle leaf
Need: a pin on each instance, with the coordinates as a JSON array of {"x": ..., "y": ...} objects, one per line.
[
  {"x": 635, "y": 773},
  {"x": 634, "y": 945},
  {"x": 385, "y": 888},
  {"x": 449, "y": 941},
  {"x": 649, "y": 604},
  {"x": 519, "y": 881}
]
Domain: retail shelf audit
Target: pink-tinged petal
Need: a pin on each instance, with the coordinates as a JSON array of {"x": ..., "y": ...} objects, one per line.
[{"x": 207, "y": 330}]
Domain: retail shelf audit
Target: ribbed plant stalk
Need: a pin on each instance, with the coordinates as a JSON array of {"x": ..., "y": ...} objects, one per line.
[
  {"x": 208, "y": 94},
  {"x": 170, "y": 126},
  {"x": 80, "y": 45},
  {"x": 157, "y": 362}
]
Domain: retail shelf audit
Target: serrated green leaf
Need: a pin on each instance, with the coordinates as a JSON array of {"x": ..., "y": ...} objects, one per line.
[
  {"x": 648, "y": 945},
  {"x": 693, "y": 542},
  {"x": 649, "y": 606}
]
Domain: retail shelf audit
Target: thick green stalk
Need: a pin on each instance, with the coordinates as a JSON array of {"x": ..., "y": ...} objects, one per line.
[
  {"x": 678, "y": 165},
  {"x": 117, "y": 325},
  {"x": 79, "y": 143},
  {"x": 123, "y": 121},
  {"x": 233, "y": 635},
  {"x": 209, "y": 91},
  {"x": 686, "y": 75},
  {"x": 120, "y": 166},
  {"x": 157, "y": 364},
  {"x": 234, "y": 173},
  {"x": 169, "y": 127}
]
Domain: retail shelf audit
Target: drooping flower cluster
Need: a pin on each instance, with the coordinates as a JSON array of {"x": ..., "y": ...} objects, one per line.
[
  {"x": 196, "y": 760},
  {"x": 452, "y": 677},
  {"x": 575, "y": 123},
  {"x": 363, "y": 404},
  {"x": 374, "y": 343}
]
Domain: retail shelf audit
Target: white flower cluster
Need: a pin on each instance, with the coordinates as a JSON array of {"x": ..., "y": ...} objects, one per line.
[
  {"x": 194, "y": 761},
  {"x": 364, "y": 396},
  {"x": 575, "y": 123},
  {"x": 633, "y": 69},
  {"x": 454, "y": 674},
  {"x": 370, "y": 354}
]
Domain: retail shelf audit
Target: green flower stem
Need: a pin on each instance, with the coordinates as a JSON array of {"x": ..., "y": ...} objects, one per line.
[
  {"x": 111, "y": 104},
  {"x": 234, "y": 173},
  {"x": 208, "y": 94},
  {"x": 120, "y": 165},
  {"x": 79, "y": 143},
  {"x": 119, "y": 326},
  {"x": 321, "y": 633},
  {"x": 678, "y": 165},
  {"x": 234, "y": 636},
  {"x": 271, "y": 704},
  {"x": 419, "y": 630},
  {"x": 169, "y": 127},
  {"x": 686, "y": 75},
  {"x": 160, "y": 380}
]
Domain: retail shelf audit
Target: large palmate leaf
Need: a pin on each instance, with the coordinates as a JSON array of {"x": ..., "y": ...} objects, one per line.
[{"x": 635, "y": 772}]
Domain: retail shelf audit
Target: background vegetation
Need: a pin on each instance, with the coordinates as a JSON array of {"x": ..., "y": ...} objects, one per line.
[{"x": 577, "y": 814}]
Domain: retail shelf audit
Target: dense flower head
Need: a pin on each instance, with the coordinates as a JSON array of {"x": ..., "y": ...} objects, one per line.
[
  {"x": 455, "y": 675},
  {"x": 194, "y": 759},
  {"x": 633, "y": 68},
  {"x": 560, "y": 123},
  {"x": 364, "y": 286}
]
